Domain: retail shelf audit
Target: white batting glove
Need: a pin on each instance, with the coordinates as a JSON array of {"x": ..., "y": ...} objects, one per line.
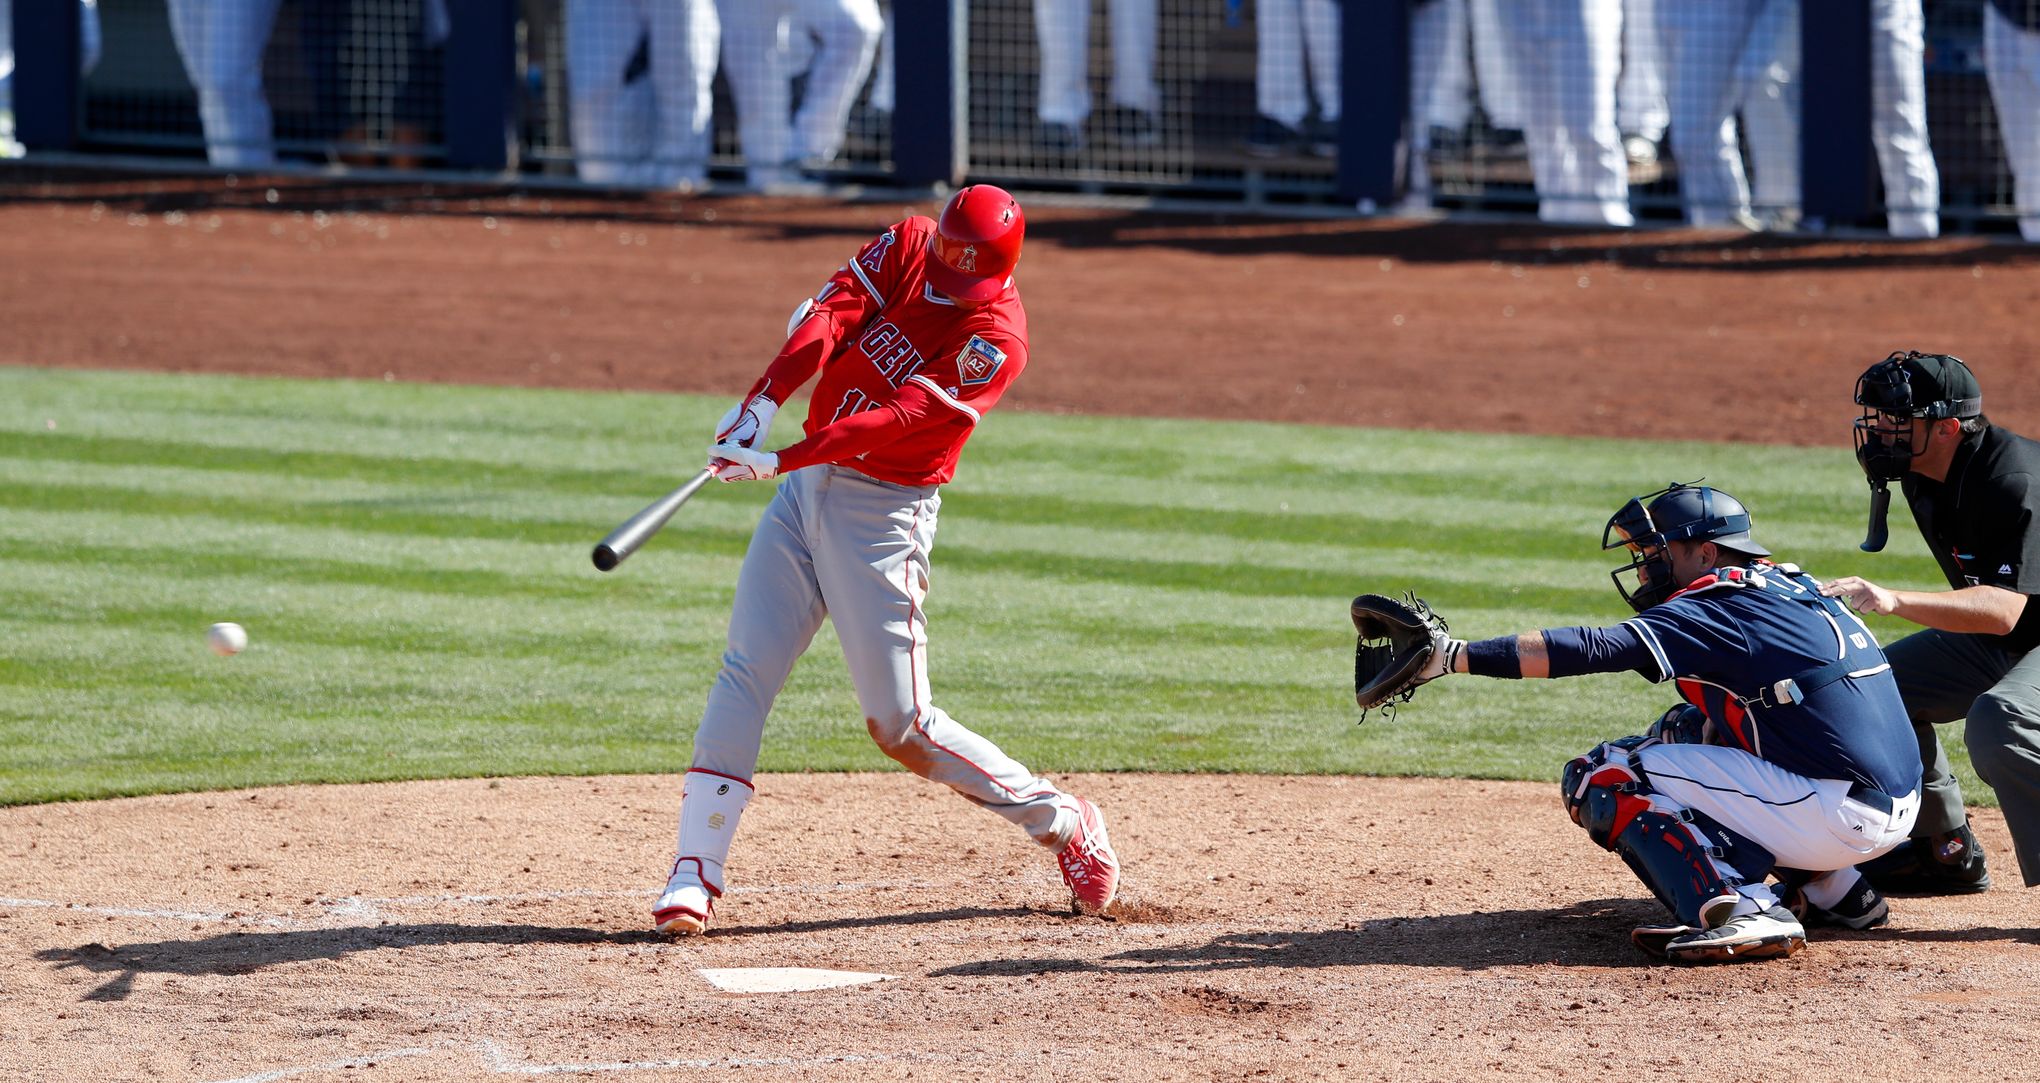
[
  {"x": 747, "y": 422},
  {"x": 734, "y": 462}
]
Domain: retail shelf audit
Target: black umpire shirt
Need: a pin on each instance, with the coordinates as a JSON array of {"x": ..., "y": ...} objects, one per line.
[{"x": 1983, "y": 523}]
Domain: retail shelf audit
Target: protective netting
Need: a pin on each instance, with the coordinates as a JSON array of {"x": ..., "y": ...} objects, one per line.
[{"x": 1588, "y": 111}]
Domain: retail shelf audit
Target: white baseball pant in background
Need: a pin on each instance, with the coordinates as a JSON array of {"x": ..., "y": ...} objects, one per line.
[
  {"x": 1293, "y": 37},
  {"x": 1898, "y": 118},
  {"x": 221, "y": 42},
  {"x": 1567, "y": 54},
  {"x": 882, "y": 78},
  {"x": 759, "y": 61},
  {"x": 1768, "y": 76},
  {"x": 1501, "y": 89},
  {"x": 1701, "y": 46},
  {"x": 1640, "y": 104},
  {"x": 2011, "y": 61},
  {"x": 1063, "y": 29},
  {"x": 653, "y": 133}
]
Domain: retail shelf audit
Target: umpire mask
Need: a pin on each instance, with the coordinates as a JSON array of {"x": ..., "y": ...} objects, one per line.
[
  {"x": 1682, "y": 511},
  {"x": 1895, "y": 391}
]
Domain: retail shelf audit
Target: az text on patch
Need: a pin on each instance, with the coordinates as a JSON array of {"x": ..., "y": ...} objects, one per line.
[{"x": 979, "y": 362}]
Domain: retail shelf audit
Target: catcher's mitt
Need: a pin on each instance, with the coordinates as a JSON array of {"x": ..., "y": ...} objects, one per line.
[{"x": 1402, "y": 645}]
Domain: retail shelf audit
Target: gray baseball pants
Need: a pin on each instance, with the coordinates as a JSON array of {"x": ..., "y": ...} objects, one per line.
[{"x": 1944, "y": 676}]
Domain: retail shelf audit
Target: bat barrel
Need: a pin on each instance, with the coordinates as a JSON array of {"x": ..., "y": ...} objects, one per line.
[{"x": 635, "y": 531}]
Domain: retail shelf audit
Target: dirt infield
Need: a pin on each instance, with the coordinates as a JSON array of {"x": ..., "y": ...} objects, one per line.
[
  {"x": 1271, "y": 927},
  {"x": 1290, "y": 928},
  {"x": 1340, "y": 321}
]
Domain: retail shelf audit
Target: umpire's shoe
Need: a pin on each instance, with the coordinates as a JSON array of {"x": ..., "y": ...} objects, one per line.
[
  {"x": 1950, "y": 863},
  {"x": 1771, "y": 933}
]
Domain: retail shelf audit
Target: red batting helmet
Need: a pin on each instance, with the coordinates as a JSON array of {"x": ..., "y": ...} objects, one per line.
[{"x": 976, "y": 243}]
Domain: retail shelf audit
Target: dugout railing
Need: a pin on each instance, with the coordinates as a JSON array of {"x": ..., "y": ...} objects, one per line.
[{"x": 1376, "y": 104}]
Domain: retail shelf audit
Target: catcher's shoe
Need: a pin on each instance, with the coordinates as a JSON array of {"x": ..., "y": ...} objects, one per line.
[
  {"x": 1950, "y": 863},
  {"x": 1862, "y": 908},
  {"x": 1653, "y": 938},
  {"x": 686, "y": 906},
  {"x": 1771, "y": 933},
  {"x": 1089, "y": 866}
]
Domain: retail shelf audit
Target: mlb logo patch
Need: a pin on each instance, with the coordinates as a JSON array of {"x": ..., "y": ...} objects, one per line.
[{"x": 979, "y": 362}]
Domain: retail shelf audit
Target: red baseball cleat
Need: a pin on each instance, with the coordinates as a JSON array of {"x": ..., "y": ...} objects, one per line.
[
  {"x": 1089, "y": 866},
  {"x": 687, "y": 904}
]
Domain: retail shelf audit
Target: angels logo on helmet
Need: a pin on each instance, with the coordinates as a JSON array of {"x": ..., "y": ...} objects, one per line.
[{"x": 975, "y": 244}]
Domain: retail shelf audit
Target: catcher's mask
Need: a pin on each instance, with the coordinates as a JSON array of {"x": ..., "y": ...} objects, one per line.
[
  {"x": 1896, "y": 390},
  {"x": 1682, "y": 511}
]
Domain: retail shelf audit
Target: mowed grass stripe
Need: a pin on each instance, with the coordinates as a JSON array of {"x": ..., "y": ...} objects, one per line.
[
  {"x": 1109, "y": 593},
  {"x": 715, "y": 527}
]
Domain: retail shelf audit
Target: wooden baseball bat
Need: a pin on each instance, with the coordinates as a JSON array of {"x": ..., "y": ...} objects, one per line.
[{"x": 639, "y": 528}]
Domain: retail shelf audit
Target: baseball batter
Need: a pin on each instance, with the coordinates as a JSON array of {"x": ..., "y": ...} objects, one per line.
[
  {"x": 1794, "y": 755},
  {"x": 915, "y": 339}
]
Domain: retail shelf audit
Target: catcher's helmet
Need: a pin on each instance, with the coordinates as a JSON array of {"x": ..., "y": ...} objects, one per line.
[
  {"x": 1682, "y": 511},
  {"x": 976, "y": 243},
  {"x": 1904, "y": 386}
]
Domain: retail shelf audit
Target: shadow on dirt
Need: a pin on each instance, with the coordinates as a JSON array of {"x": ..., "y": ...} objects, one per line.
[
  {"x": 861, "y": 921},
  {"x": 1593, "y": 933},
  {"x": 1221, "y": 233},
  {"x": 246, "y": 952}
]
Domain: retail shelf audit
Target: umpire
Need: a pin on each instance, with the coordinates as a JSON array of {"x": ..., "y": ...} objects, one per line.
[{"x": 1974, "y": 490}]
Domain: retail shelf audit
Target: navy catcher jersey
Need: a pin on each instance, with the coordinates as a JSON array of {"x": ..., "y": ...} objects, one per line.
[{"x": 1730, "y": 637}]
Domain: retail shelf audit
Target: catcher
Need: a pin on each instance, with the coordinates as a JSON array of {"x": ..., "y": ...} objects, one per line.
[{"x": 1792, "y": 753}]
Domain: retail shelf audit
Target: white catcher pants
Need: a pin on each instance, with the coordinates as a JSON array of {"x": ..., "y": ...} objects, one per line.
[{"x": 1810, "y": 824}]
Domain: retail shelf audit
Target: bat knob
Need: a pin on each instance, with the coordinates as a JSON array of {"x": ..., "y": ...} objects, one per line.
[{"x": 605, "y": 558}]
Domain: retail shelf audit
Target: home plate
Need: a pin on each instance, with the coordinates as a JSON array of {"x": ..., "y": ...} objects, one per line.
[{"x": 784, "y": 979}]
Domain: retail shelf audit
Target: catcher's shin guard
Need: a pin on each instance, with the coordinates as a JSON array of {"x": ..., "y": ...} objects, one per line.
[
  {"x": 1672, "y": 858},
  {"x": 1673, "y": 851}
]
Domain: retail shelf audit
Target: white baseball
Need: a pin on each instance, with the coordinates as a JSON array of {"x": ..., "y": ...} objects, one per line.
[{"x": 226, "y": 638}]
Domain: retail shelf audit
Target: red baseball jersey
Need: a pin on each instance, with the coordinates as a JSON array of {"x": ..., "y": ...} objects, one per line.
[{"x": 886, "y": 341}]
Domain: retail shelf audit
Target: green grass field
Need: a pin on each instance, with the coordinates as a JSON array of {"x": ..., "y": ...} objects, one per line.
[{"x": 411, "y": 563}]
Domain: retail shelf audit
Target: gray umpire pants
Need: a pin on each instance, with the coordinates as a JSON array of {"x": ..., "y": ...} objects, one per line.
[{"x": 1944, "y": 676}]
